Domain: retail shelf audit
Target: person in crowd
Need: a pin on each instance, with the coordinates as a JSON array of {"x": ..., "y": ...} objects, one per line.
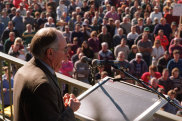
[
  {"x": 177, "y": 82},
  {"x": 139, "y": 26},
  {"x": 81, "y": 69},
  {"x": 111, "y": 27},
  {"x": 146, "y": 31},
  {"x": 112, "y": 14},
  {"x": 176, "y": 36},
  {"x": 168, "y": 107},
  {"x": 5, "y": 18},
  {"x": 170, "y": 18},
  {"x": 39, "y": 77},
  {"x": 154, "y": 84},
  {"x": 163, "y": 39},
  {"x": 75, "y": 45},
  {"x": 145, "y": 47},
  {"x": 28, "y": 54},
  {"x": 28, "y": 35},
  {"x": 133, "y": 52},
  {"x": 94, "y": 43},
  {"x": 118, "y": 37},
  {"x": 69, "y": 51},
  {"x": 100, "y": 69},
  {"x": 22, "y": 9},
  {"x": 122, "y": 47},
  {"x": 67, "y": 34},
  {"x": 50, "y": 23},
  {"x": 60, "y": 25},
  {"x": 126, "y": 25},
  {"x": 15, "y": 49},
  {"x": 165, "y": 81},
  {"x": 72, "y": 21},
  {"x": 98, "y": 17},
  {"x": 134, "y": 21},
  {"x": 67, "y": 68},
  {"x": 28, "y": 19},
  {"x": 134, "y": 8},
  {"x": 124, "y": 64},
  {"x": 149, "y": 24},
  {"x": 106, "y": 54},
  {"x": 175, "y": 62},
  {"x": 138, "y": 66},
  {"x": 95, "y": 26},
  {"x": 13, "y": 13},
  {"x": 8, "y": 6},
  {"x": 155, "y": 13},
  {"x": 87, "y": 50},
  {"x": 75, "y": 58},
  {"x": 147, "y": 76},
  {"x": 60, "y": 9},
  {"x": 132, "y": 36},
  {"x": 77, "y": 33},
  {"x": 2, "y": 27},
  {"x": 117, "y": 26},
  {"x": 105, "y": 36},
  {"x": 165, "y": 27},
  {"x": 38, "y": 22},
  {"x": 8, "y": 29},
  {"x": 163, "y": 61},
  {"x": 176, "y": 46},
  {"x": 85, "y": 30},
  {"x": 6, "y": 87},
  {"x": 18, "y": 22},
  {"x": 174, "y": 28},
  {"x": 157, "y": 52},
  {"x": 9, "y": 42},
  {"x": 85, "y": 6}
]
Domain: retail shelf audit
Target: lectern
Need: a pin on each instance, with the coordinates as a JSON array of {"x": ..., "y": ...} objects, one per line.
[{"x": 118, "y": 101}]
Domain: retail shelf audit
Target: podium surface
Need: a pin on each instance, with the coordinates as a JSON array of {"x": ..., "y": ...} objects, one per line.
[{"x": 118, "y": 101}]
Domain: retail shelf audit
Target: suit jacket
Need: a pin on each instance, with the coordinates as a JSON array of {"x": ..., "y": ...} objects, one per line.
[
  {"x": 37, "y": 96},
  {"x": 138, "y": 30}
]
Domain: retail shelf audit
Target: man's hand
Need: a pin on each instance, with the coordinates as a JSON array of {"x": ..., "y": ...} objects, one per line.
[
  {"x": 74, "y": 104},
  {"x": 71, "y": 101}
]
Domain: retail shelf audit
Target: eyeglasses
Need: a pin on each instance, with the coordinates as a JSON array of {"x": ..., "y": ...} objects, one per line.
[
  {"x": 17, "y": 45},
  {"x": 65, "y": 49}
]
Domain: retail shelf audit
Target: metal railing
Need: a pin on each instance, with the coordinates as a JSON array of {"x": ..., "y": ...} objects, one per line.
[{"x": 10, "y": 62}]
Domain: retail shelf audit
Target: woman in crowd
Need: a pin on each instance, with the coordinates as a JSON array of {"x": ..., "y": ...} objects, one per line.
[
  {"x": 157, "y": 52},
  {"x": 16, "y": 49},
  {"x": 94, "y": 43}
]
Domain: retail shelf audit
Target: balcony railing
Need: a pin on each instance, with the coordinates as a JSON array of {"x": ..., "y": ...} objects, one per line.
[{"x": 12, "y": 62}]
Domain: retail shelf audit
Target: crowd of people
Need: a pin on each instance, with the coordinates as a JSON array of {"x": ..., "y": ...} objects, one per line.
[{"x": 143, "y": 35}]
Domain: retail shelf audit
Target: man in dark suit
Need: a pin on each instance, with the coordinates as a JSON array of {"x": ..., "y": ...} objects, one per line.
[{"x": 37, "y": 96}]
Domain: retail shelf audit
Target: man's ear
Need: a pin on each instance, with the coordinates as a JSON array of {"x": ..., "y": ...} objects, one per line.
[{"x": 49, "y": 53}]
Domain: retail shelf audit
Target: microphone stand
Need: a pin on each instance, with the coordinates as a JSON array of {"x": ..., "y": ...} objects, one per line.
[
  {"x": 92, "y": 74},
  {"x": 146, "y": 86}
]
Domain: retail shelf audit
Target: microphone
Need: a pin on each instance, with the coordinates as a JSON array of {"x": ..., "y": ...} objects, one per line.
[
  {"x": 97, "y": 62},
  {"x": 86, "y": 59}
]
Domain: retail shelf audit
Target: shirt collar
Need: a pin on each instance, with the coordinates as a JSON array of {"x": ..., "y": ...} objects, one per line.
[{"x": 48, "y": 67}]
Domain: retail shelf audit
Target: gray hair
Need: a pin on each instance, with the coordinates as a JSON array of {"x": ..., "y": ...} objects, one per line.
[
  {"x": 45, "y": 38},
  {"x": 104, "y": 43}
]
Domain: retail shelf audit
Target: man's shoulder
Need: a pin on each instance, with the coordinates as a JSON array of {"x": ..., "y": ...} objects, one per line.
[{"x": 30, "y": 74}]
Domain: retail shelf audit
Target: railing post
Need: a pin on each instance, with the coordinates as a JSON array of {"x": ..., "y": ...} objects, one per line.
[
  {"x": 2, "y": 93},
  {"x": 10, "y": 90}
]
